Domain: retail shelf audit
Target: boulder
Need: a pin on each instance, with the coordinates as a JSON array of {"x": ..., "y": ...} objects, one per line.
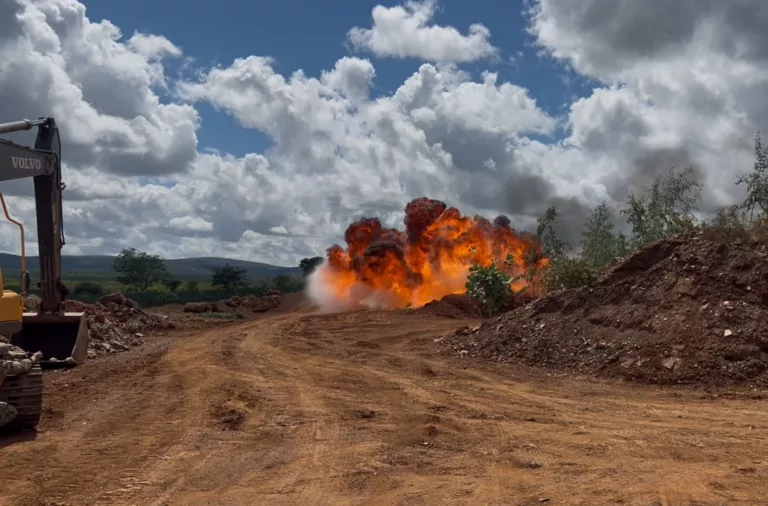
[
  {"x": 197, "y": 307},
  {"x": 8, "y": 413},
  {"x": 113, "y": 298}
]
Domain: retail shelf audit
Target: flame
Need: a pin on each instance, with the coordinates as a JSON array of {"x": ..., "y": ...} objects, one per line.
[{"x": 385, "y": 267}]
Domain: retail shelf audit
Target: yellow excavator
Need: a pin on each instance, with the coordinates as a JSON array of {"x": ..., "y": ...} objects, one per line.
[{"x": 60, "y": 337}]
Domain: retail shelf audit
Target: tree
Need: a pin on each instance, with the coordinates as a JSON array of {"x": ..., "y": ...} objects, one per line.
[
  {"x": 664, "y": 209},
  {"x": 286, "y": 284},
  {"x": 172, "y": 284},
  {"x": 308, "y": 265},
  {"x": 756, "y": 181},
  {"x": 228, "y": 276},
  {"x": 562, "y": 271},
  {"x": 139, "y": 269},
  {"x": 554, "y": 248},
  {"x": 598, "y": 245},
  {"x": 192, "y": 286}
]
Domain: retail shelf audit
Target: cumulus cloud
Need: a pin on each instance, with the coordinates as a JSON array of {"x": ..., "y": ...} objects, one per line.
[
  {"x": 101, "y": 90},
  {"x": 153, "y": 46},
  {"x": 667, "y": 94},
  {"x": 684, "y": 83},
  {"x": 404, "y": 31}
]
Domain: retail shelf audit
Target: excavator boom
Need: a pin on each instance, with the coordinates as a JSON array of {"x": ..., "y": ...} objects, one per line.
[{"x": 61, "y": 337}]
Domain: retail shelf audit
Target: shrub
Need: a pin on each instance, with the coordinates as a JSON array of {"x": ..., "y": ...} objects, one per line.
[
  {"x": 488, "y": 288},
  {"x": 568, "y": 273},
  {"x": 664, "y": 209},
  {"x": 729, "y": 224}
]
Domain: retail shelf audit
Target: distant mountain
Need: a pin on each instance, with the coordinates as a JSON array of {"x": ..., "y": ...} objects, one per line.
[{"x": 182, "y": 268}]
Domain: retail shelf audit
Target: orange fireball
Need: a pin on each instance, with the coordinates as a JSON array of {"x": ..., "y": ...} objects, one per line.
[{"x": 429, "y": 260}]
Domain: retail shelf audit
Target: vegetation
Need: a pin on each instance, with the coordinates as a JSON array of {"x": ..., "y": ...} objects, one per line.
[
  {"x": 228, "y": 276},
  {"x": 490, "y": 288},
  {"x": 308, "y": 265},
  {"x": 148, "y": 279},
  {"x": 668, "y": 207},
  {"x": 139, "y": 270}
]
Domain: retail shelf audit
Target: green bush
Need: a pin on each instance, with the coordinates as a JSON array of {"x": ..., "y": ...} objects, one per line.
[{"x": 488, "y": 288}]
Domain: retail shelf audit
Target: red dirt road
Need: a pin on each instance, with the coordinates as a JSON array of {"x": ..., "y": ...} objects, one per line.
[{"x": 359, "y": 408}]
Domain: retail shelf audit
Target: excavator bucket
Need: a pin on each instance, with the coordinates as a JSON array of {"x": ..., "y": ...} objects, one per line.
[{"x": 62, "y": 338}]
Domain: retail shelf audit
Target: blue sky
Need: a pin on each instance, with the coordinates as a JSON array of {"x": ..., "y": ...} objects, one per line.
[{"x": 310, "y": 35}]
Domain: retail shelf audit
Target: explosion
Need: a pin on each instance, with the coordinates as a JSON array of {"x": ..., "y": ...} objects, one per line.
[{"x": 389, "y": 268}]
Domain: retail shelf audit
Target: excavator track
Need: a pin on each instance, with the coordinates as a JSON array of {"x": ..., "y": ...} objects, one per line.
[{"x": 25, "y": 393}]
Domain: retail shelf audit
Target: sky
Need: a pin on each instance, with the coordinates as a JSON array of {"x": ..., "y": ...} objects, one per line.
[{"x": 260, "y": 130}]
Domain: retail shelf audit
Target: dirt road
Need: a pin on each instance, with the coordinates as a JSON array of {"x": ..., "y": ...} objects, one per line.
[{"x": 299, "y": 409}]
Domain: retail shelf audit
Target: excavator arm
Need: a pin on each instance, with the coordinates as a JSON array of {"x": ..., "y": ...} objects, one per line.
[
  {"x": 61, "y": 337},
  {"x": 43, "y": 164}
]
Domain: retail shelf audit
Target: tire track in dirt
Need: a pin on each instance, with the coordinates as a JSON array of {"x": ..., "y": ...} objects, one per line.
[
  {"x": 360, "y": 408},
  {"x": 594, "y": 424}
]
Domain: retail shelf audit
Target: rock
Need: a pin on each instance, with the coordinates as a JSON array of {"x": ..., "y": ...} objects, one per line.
[
  {"x": 273, "y": 291},
  {"x": 671, "y": 363},
  {"x": 116, "y": 323},
  {"x": 8, "y": 413},
  {"x": 220, "y": 307},
  {"x": 728, "y": 333},
  {"x": 113, "y": 298},
  {"x": 17, "y": 367},
  {"x": 262, "y": 304},
  {"x": 32, "y": 303},
  {"x": 197, "y": 307}
]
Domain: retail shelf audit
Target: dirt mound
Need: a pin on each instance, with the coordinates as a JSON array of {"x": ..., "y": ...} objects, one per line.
[
  {"x": 679, "y": 311},
  {"x": 460, "y": 306},
  {"x": 235, "y": 304},
  {"x": 457, "y": 306},
  {"x": 116, "y": 323}
]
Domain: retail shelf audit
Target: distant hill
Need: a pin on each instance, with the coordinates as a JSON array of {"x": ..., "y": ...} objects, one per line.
[{"x": 182, "y": 268}]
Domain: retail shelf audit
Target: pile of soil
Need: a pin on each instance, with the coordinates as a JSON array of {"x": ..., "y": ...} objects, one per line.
[
  {"x": 237, "y": 304},
  {"x": 458, "y": 306},
  {"x": 679, "y": 311},
  {"x": 116, "y": 323}
]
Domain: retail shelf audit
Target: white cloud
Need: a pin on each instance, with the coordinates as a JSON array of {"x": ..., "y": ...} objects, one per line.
[
  {"x": 153, "y": 46},
  {"x": 685, "y": 83},
  {"x": 137, "y": 177},
  {"x": 404, "y": 32}
]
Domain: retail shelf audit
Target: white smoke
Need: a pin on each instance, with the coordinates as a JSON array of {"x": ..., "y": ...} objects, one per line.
[
  {"x": 327, "y": 296},
  {"x": 321, "y": 293}
]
